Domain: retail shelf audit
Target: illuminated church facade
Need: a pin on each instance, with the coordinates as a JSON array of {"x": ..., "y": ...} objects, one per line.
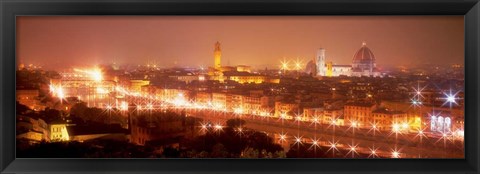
[{"x": 363, "y": 64}]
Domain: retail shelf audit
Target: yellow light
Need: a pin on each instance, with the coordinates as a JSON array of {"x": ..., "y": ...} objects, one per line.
[{"x": 284, "y": 65}]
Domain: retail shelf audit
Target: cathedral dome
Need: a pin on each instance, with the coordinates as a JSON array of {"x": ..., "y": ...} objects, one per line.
[
  {"x": 364, "y": 55},
  {"x": 311, "y": 68}
]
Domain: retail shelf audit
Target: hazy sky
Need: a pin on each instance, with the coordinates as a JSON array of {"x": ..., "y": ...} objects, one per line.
[{"x": 56, "y": 41}]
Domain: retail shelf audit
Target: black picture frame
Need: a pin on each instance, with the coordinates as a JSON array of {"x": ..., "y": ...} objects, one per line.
[{"x": 9, "y": 9}]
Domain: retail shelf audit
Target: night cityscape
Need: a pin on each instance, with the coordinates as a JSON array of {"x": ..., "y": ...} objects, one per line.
[{"x": 240, "y": 87}]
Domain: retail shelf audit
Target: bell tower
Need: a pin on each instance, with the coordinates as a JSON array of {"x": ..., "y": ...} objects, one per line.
[
  {"x": 321, "y": 62},
  {"x": 217, "y": 54}
]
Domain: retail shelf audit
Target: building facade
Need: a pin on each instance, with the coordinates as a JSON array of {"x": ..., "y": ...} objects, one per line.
[{"x": 363, "y": 64}]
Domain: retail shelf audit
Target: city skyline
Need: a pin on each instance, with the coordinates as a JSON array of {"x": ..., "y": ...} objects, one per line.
[
  {"x": 188, "y": 41},
  {"x": 240, "y": 87}
]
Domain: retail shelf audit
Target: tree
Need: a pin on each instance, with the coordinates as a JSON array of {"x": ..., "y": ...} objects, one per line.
[
  {"x": 235, "y": 123},
  {"x": 249, "y": 153},
  {"x": 81, "y": 110},
  {"x": 21, "y": 108},
  {"x": 219, "y": 151}
]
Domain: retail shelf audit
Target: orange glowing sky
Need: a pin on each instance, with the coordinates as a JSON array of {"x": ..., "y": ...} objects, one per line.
[{"x": 64, "y": 41}]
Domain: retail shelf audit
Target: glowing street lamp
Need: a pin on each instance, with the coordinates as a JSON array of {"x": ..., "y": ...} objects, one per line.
[
  {"x": 315, "y": 144},
  {"x": 418, "y": 91},
  {"x": 149, "y": 106},
  {"x": 395, "y": 154},
  {"x": 284, "y": 65},
  {"x": 420, "y": 134},
  {"x": 451, "y": 98},
  {"x": 124, "y": 106},
  {"x": 283, "y": 137},
  {"x": 298, "y": 140},
  {"x": 298, "y": 118},
  {"x": 353, "y": 125},
  {"x": 240, "y": 131},
  {"x": 373, "y": 152},
  {"x": 315, "y": 120},
  {"x": 396, "y": 128},
  {"x": 373, "y": 129},
  {"x": 218, "y": 127},
  {"x": 416, "y": 103},
  {"x": 352, "y": 149},
  {"x": 405, "y": 126},
  {"x": 298, "y": 64},
  {"x": 332, "y": 146}
]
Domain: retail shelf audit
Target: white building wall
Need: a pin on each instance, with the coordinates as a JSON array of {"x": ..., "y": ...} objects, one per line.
[{"x": 320, "y": 61}]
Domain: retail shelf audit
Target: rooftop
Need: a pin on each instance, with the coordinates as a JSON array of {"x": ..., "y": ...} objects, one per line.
[{"x": 387, "y": 111}]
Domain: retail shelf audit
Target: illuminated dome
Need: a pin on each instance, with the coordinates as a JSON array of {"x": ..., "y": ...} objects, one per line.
[
  {"x": 363, "y": 63},
  {"x": 311, "y": 67},
  {"x": 364, "y": 55}
]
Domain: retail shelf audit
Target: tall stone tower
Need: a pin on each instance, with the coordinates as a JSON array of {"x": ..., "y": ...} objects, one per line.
[
  {"x": 321, "y": 62},
  {"x": 217, "y": 53}
]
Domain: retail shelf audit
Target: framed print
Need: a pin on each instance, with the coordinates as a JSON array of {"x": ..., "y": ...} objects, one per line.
[{"x": 255, "y": 86}]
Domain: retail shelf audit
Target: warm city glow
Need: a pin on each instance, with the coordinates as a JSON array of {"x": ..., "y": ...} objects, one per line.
[
  {"x": 95, "y": 73},
  {"x": 282, "y": 91}
]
